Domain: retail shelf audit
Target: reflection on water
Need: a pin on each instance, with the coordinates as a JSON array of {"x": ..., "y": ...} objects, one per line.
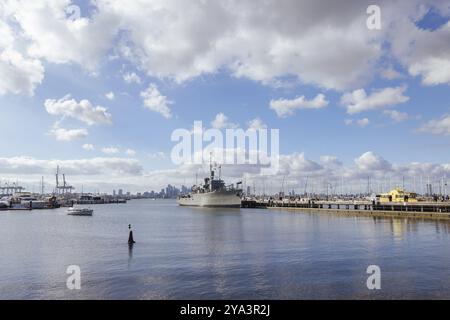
[
  {"x": 216, "y": 253},
  {"x": 130, "y": 253}
]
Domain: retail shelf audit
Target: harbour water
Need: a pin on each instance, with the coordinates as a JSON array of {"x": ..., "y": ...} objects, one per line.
[{"x": 192, "y": 253}]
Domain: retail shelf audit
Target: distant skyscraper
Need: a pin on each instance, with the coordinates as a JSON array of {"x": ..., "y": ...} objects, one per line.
[{"x": 120, "y": 192}]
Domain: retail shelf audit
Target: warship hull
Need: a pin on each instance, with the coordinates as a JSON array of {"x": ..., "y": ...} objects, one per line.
[{"x": 214, "y": 199}]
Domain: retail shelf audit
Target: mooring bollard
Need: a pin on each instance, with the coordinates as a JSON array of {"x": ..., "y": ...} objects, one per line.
[{"x": 130, "y": 237}]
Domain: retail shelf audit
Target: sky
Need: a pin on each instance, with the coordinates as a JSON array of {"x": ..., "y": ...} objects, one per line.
[{"x": 98, "y": 87}]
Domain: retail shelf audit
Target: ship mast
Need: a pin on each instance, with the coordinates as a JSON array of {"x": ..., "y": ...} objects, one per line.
[{"x": 211, "y": 172}]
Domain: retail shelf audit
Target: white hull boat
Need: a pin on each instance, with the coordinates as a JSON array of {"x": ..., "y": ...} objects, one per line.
[{"x": 80, "y": 212}]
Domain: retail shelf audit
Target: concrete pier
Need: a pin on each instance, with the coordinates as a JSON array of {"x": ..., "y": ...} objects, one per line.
[{"x": 425, "y": 210}]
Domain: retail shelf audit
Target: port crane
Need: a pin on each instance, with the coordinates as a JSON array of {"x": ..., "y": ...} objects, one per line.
[{"x": 64, "y": 188}]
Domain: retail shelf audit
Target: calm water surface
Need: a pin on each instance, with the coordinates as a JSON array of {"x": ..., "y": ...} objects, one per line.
[{"x": 188, "y": 253}]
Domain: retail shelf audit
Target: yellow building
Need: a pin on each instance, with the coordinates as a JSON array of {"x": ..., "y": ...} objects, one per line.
[{"x": 398, "y": 195}]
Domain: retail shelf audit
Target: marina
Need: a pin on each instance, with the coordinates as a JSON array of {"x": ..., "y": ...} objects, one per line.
[{"x": 14, "y": 197}]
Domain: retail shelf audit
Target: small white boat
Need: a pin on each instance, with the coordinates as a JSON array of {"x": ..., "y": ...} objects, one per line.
[{"x": 80, "y": 212}]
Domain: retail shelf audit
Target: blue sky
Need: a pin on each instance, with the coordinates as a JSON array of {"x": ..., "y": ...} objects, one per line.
[{"x": 233, "y": 65}]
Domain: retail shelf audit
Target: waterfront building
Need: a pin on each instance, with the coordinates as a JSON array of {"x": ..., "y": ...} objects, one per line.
[{"x": 397, "y": 195}]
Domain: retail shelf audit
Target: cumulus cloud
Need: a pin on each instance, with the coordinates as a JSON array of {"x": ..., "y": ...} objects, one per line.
[
  {"x": 362, "y": 122},
  {"x": 437, "y": 126},
  {"x": 88, "y": 147},
  {"x": 62, "y": 134},
  {"x": 390, "y": 74},
  {"x": 423, "y": 52},
  {"x": 132, "y": 77},
  {"x": 221, "y": 121},
  {"x": 61, "y": 36},
  {"x": 155, "y": 101},
  {"x": 396, "y": 115},
  {"x": 130, "y": 152},
  {"x": 156, "y": 155},
  {"x": 359, "y": 122},
  {"x": 110, "y": 150},
  {"x": 331, "y": 160},
  {"x": 20, "y": 74},
  {"x": 297, "y": 163},
  {"x": 256, "y": 124},
  {"x": 94, "y": 166},
  {"x": 82, "y": 110},
  {"x": 358, "y": 100},
  {"x": 110, "y": 95},
  {"x": 261, "y": 41},
  {"x": 369, "y": 161},
  {"x": 296, "y": 172},
  {"x": 286, "y": 107}
]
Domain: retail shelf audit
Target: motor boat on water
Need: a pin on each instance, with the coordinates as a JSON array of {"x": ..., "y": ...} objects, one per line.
[{"x": 80, "y": 212}]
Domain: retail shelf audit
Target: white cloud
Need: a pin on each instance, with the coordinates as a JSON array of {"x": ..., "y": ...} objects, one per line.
[
  {"x": 358, "y": 101},
  {"x": 20, "y": 74},
  {"x": 156, "y": 155},
  {"x": 295, "y": 170},
  {"x": 88, "y": 147},
  {"x": 286, "y": 107},
  {"x": 424, "y": 53},
  {"x": 110, "y": 95},
  {"x": 62, "y": 134},
  {"x": 94, "y": 166},
  {"x": 437, "y": 126},
  {"x": 130, "y": 152},
  {"x": 370, "y": 161},
  {"x": 433, "y": 70},
  {"x": 110, "y": 150},
  {"x": 260, "y": 41},
  {"x": 54, "y": 36},
  {"x": 297, "y": 163},
  {"x": 359, "y": 122},
  {"x": 390, "y": 74},
  {"x": 132, "y": 78},
  {"x": 396, "y": 115},
  {"x": 256, "y": 124},
  {"x": 221, "y": 122},
  {"x": 331, "y": 160},
  {"x": 83, "y": 110},
  {"x": 363, "y": 122},
  {"x": 155, "y": 101}
]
